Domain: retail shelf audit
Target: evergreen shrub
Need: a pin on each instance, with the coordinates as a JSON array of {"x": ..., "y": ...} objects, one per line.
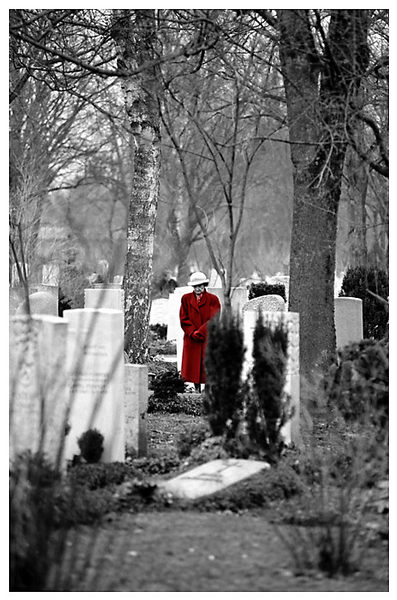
[
  {"x": 191, "y": 438},
  {"x": 356, "y": 282},
  {"x": 223, "y": 365},
  {"x": 266, "y": 289},
  {"x": 32, "y": 514},
  {"x": 267, "y": 408},
  {"x": 167, "y": 385},
  {"x": 357, "y": 382},
  {"x": 158, "y": 331},
  {"x": 188, "y": 404},
  {"x": 91, "y": 445}
]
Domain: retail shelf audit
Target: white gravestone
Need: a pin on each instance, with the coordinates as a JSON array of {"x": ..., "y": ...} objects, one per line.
[
  {"x": 174, "y": 303},
  {"x": 96, "y": 379},
  {"x": 348, "y": 320},
  {"x": 135, "y": 407},
  {"x": 159, "y": 311},
  {"x": 174, "y": 329},
  {"x": 270, "y": 302},
  {"x": 239, "y": 298},
  {"x": 38, "y": 392},
  {"x": 41, "y": 303},
  {"x": 211, "y": 477},
  {"x": 214, "y": 279},
  {"x": 291, "y": 322},
  {"x": 104, "y": 297}
]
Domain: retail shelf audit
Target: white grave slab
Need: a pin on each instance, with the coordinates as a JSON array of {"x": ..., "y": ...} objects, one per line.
[
  {"x": 38, "y": 393},
  {"x": 348, "y": 320},
  {"x": 159, "y": 311},
  {"x": 292, "y": 385},
  {"x": 211, "y": 477},
  {"x": 135, "y": 407},
  {"x": 96, "y": 378}
]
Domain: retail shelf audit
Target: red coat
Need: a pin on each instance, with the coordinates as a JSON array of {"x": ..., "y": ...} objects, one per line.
[{"x": 194, "y": 318}]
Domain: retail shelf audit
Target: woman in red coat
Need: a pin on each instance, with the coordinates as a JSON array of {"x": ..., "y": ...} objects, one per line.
[{"x": 197, "y": 308}]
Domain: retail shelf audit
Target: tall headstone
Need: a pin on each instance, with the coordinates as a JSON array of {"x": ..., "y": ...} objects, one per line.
[
  {"x": 38, "y": 391},
  {"x": 174, "y": 303},
  {"x": 96, "y": 377},
  {"x": 348, "y": 320},
  {"x": 239, "y": 298},
  {"x": 214, "y": 279},
  {"x": 135, "y": 407},
  {"x": 159, "y": 311},
  {"x": 290, "y": 321}
]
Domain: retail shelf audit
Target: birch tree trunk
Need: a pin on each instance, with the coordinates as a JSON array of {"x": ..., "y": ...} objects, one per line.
[
  {"x": 135, "y": 34},
  {"x": 320, "y": 90}
]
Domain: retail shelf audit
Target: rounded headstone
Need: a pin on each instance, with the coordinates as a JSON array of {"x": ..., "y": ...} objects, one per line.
[
  {"x": 41, "y": 303},
  {"x": 270, "y": 302}
]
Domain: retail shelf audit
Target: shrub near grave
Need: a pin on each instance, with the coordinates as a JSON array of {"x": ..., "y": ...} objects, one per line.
[
  {"x": 168, "y": 387},
  {"x": 33, "y": 483},
  {"x": 223, "y": 365},
  {"x": 267, "y": 409},
  {"x": 266, "y": 289},
  {"x": 357, "y": 382}
]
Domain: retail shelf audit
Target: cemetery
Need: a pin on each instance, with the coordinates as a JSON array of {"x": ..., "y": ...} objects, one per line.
[
  {"x": 158, "y": 452},
  {"x": 198, "y": 301}
]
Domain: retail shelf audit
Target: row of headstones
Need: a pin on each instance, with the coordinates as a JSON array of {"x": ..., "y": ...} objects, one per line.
[
  {"x": 348, "y": 312},
  {"x": 53, "y": 365},
  {"x": 70, "y": 372}
]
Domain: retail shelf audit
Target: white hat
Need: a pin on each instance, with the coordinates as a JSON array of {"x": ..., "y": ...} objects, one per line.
[{"x": 197, "y": 278}]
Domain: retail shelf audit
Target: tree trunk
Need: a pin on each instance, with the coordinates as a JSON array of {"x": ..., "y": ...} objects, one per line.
[
  {"x": 320, "y": 92},
  {"x": 136, "y": 40},
  {"x": 357, "y": 186}
]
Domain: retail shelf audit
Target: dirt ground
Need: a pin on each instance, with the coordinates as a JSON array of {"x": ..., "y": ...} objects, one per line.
[{"x": 189, "y": 551}]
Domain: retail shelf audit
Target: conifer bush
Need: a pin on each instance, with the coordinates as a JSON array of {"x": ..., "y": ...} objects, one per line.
[
  {"x": 357, "y": 382},
  {"x": 167, "y": 385},
  {"x": 223, "y": 365},
  {"x": 33, "y": 484},
  {"x": 91, "y": 445},
  {"x": 264, "y": 289},
  {"x": 267, "y": 408}
]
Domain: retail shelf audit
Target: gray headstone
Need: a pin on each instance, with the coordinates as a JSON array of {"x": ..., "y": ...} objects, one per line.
[
  {"x": 284, "y": 280},
  {"x": 348, "y": 320},
  {"x": 270, "y": 302}
]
